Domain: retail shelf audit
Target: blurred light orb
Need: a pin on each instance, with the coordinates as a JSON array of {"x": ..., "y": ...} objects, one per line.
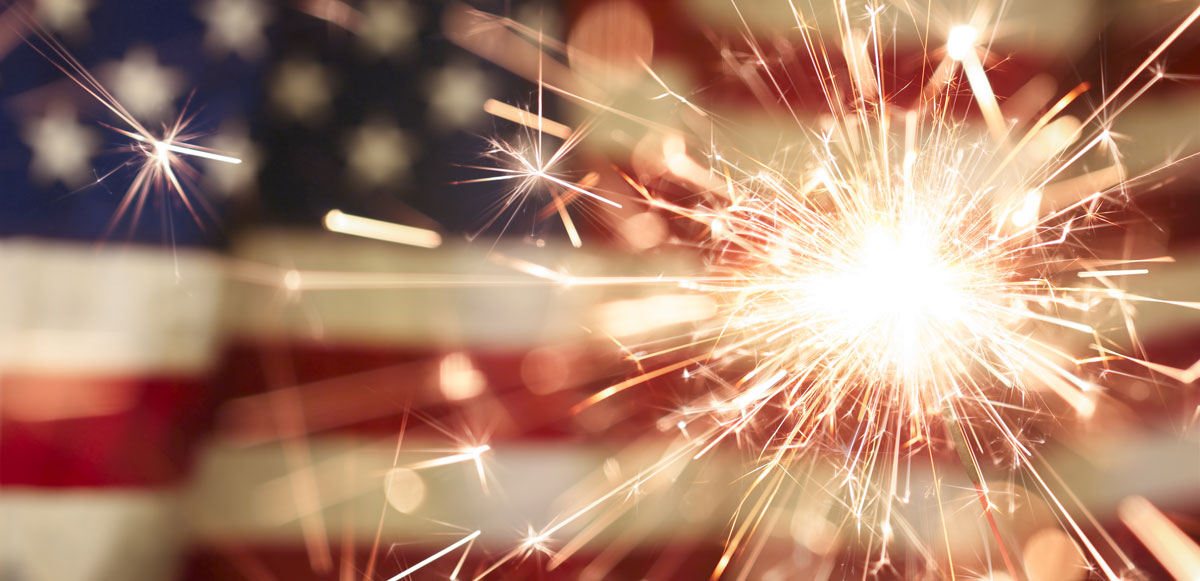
[
  {"x": 611, "y": 43},
  {"x": 545, "y": 370},
  {"x": 644, "y": 230},
  {"x": 1051, "y": 555},
  {"x": 459, "y": 379},
  {"x": 404, "y": 489}
]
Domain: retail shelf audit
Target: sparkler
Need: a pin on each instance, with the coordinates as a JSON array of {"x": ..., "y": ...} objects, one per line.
[{"x": 897, "y": 293}]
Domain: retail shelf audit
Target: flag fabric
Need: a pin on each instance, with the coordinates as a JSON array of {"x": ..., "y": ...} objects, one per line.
[{"x": 182, "y": 398}]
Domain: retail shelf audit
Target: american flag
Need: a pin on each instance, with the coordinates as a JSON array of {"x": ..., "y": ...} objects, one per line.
[{"x": 164, "y": 414}]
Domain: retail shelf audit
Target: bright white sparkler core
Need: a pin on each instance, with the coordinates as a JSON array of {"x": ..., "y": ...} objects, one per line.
[
  {"x": 961, "y": 41},
  {"x": 162, "y": 153},
  {"x": 897, "y": 294}
]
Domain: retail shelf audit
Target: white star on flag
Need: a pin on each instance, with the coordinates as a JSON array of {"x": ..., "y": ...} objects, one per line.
[
  {"x": 378, "y": 154},
  {"x": 144, "y": 87},
  {"x": 456, "y": 94},
  {"x": 235, "y": 26},
  {"x": 65, "y": 16},
  {"x": 388, "y": 28},
  {"x": 62, "y": 148},
  {"x": 301, "y": 89}
]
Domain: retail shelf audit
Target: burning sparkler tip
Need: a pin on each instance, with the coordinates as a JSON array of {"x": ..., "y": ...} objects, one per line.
[
  {"x": 161, "y": 152},
  {"x": 961, "y": 41}
]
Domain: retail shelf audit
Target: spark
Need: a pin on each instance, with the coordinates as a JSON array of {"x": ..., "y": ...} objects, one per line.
[
  {"x": 472, "y": 454},
  {"x": 343, "y": 223},
  {"x": 536, "y": 542},
  {"x": 1103, "y": 273},
  {"x": 521, "y": 116},
  {"x": 526, "y": 162},
  {"x": 1178, "y": 553},
  {"x": 961, "y": 47},
  {"x": 162, "y": 147},
  {"x": 421, "y": 565}
]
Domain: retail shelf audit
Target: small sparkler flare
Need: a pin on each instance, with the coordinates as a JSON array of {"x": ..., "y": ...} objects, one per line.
[{"x": 159, "y": 157}]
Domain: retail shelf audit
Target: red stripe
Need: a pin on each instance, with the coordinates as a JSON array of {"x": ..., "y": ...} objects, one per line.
[
  {"x": 148, "y": 444},
  {"x": 366, "y": 390}
]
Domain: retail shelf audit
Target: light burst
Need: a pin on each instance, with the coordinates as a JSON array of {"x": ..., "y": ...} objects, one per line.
[{"x": 904, "y": 289}]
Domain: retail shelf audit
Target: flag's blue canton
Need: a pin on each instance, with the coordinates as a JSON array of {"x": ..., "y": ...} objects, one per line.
[
  {"x": 390, "y": 136},
  {"x": 82, "y": 206},
  {"x": 375, "y": 121}
]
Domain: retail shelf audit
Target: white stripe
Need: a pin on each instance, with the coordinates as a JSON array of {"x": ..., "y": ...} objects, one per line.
[
  {"x": 119, "y": 309},
  {"x": 88, "y": 534}
]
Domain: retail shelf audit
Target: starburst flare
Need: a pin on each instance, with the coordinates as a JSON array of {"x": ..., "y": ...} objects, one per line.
[{"x": 899, "y": 290}]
